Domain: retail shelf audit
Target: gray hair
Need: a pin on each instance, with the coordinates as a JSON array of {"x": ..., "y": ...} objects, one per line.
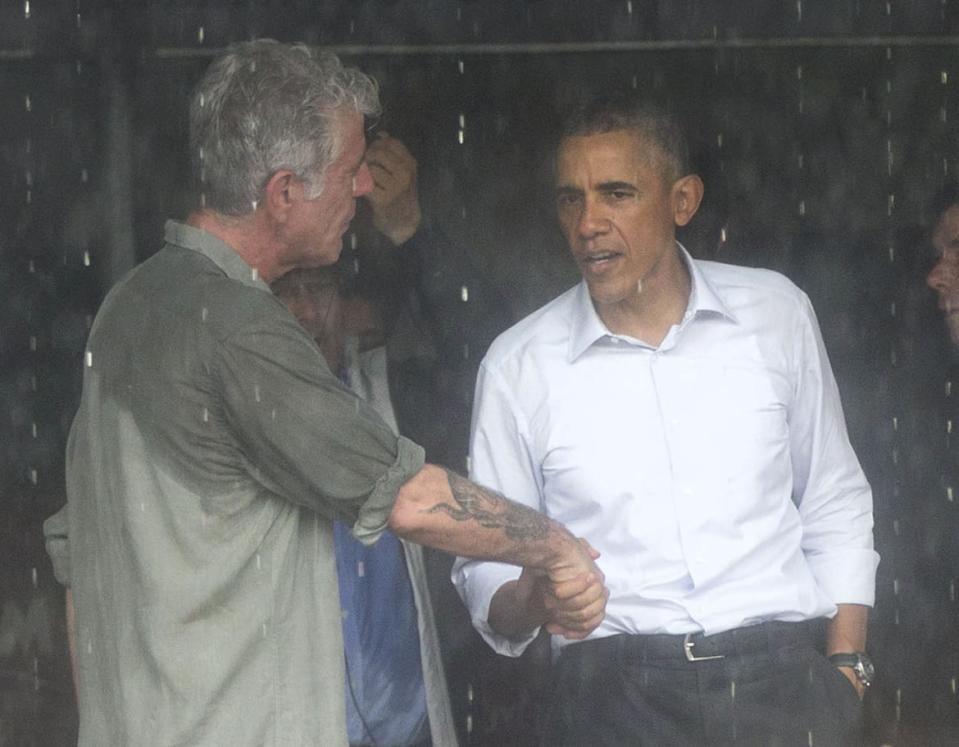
[
  {"x": 609, "y": 113},
  {"x": 265, "y": 106}
]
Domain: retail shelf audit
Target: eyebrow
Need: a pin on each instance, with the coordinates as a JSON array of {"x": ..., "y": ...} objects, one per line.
[{"x": 616, "y": 186}]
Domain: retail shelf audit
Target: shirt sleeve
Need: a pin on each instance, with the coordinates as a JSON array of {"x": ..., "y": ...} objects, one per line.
[
  {"x": 830, "y": 489},
  {"x": 305, "y": 435},
  {"x": 56, "y": 533},
  {"x": 499, "y": 459}
]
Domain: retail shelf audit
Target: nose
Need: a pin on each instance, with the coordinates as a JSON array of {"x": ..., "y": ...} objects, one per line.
[
  {"x": 935, "y": 279},
  {"x": 592, "y": 220},
  {"x": 363, "y": 181}
]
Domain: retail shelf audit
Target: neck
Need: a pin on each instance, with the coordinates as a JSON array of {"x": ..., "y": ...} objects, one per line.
[
  {"x": 247, "y": 235},
  {"x": 649, "y": 313}
]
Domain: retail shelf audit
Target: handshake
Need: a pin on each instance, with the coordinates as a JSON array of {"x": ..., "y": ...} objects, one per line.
[{"x": 568, "y": 598}]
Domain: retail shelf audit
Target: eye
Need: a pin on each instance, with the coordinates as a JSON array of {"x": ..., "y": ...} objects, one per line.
[{"x": 566, "y": 200}]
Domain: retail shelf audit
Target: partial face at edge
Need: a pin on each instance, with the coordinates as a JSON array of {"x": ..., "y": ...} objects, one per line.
[{"x": 944, "y": 278}]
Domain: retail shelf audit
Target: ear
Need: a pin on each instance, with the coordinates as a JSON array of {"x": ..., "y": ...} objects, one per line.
[
  {"x": 687, "y": 194},
  {"x": 282, "y": 191}
]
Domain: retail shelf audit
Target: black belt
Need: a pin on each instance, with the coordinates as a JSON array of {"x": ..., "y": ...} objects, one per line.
[{"x": 764, "y": 637}]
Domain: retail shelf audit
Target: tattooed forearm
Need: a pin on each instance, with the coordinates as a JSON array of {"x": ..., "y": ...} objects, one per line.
[{"x": 491, "y": 510}]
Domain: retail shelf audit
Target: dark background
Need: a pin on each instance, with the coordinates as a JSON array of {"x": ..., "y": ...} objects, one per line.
[{"x": 821, "y": 128}]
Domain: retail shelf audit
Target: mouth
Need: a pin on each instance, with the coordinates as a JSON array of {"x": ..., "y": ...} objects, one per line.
[{"x": 598, "y": 261}]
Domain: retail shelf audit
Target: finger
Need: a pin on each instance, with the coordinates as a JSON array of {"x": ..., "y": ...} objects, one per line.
[
  {"x": 593, "y": 552},
  {"x": 391, "y": 155}
]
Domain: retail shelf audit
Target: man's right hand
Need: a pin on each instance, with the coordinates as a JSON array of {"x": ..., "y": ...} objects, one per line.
[
  {"x": 572, "y": 597},
  {"x": 568, "y": 599}
]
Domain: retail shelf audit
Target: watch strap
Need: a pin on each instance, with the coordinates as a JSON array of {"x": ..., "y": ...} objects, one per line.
[{"x": 844, "y": 660}]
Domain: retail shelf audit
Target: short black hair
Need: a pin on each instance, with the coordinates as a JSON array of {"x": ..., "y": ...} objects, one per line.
[
  {"x": 945, "y": 198},
  {"x": 609, "y": 112}
]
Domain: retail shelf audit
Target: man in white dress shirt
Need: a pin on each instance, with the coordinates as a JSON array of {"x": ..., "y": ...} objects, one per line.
[{"x": 682, "y": 416}]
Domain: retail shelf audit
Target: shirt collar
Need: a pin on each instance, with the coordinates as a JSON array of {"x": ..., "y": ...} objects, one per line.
[
  {"x": 217, "y": 251},
  {"x": 586, "y": 327}
]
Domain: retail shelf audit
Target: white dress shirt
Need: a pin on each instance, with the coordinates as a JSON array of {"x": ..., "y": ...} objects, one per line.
[{"x": 713, "y": 473}]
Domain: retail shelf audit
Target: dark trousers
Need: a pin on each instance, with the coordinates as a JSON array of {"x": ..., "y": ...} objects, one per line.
[{"x": 772, "y": 687}]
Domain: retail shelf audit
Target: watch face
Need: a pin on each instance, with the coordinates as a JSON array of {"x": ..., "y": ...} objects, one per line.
[{"x": 866, "y": 667}]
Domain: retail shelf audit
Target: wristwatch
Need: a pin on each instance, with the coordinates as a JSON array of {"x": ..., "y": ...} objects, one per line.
[{"x": 860, "y": 663}]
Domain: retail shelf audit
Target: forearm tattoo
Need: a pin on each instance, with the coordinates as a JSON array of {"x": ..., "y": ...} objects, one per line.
[{"x": 491, "y": 510}]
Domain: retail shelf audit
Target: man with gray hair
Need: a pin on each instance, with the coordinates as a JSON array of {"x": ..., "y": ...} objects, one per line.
[{"x": 213, "y": 447}]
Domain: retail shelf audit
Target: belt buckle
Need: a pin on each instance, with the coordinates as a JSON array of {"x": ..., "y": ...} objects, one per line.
[{"x": 688, "y": 650}]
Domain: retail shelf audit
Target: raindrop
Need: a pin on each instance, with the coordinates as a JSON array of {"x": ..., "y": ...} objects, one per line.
[
  {"x": 84, "y": 176},
  {"x": 26, "y": 8},
  {"x": 200, "y": 35},
  {"x": 86, "y": 259},
  {"x": 33, "y": 577},
  {"x": 33, "y": 344},
  {"x": 722, "y": 234},
  {"x": 34, "y": 478},
  {"x": 204, "y": 313},
  {"x": 256, "y": 392},
  {"x": 259, "y": 563},
  {"x": 206, "y": 415},
  {"x": 464, "y": 294},
  {"x": 460, "y": 66},
  {"x": 255, "y": 274},
  {"x": 28, "y": 103},
  {"x": 360, "y": 569},
  {"x": 944, "y": 77},
  {"x": 802, "y": 207},
  {"x": 89, "y": 358},
  {"x": 33, "y": 429}
]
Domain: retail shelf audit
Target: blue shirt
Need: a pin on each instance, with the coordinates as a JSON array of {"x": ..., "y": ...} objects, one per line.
[{"x": 385, "y": 695}]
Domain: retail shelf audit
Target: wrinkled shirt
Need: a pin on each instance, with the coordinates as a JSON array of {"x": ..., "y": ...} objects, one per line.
[
  {"x": 713, "y": 473},
  {"x": 211, "y": 451}
]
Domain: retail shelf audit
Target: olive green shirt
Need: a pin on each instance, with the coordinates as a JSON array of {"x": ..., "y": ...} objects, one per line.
[{"x": 211, "y": 450}]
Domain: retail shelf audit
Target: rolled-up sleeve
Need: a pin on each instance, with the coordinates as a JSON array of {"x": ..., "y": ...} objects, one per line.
[
  {"x": 56, "y": 533},
  {"x": 834, "y": 498},
  {"x": 499, "y": 459},
  {"x": 305, "y": 435}
]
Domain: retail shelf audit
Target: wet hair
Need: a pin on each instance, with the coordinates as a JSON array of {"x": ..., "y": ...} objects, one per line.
[
  {"x": 265, "y": 106},
  {"x": 945, "y": 198},
  {"x": 622, "y": 111}
]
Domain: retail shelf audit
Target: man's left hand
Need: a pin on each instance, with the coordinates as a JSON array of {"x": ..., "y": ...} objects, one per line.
[{"x": 851, "y": 676}]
